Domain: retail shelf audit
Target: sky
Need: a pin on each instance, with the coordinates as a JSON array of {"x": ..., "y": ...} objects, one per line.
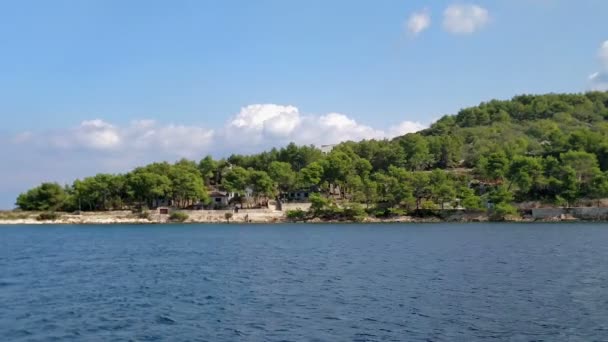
[{"x": 90, "y": 86}]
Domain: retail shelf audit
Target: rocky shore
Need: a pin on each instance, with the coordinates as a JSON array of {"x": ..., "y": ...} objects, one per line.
[{"x": 245, "y": 216}]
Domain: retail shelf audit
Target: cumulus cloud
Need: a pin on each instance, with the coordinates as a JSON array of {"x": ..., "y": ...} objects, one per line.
[
  {"x": 603, "y": 54},
  {"x": 405, "y": 127},
  {"x": 465, "y": 18},
  {"x": 263, "y": 126},
  {"x": 252, "y": 129},
  {"x": 599, "y": 80},
  {"x": 100, "y": 146},
  {"x": 418, "y": 22}
]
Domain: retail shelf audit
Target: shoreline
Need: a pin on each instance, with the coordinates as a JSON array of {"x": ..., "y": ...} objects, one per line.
[{"x": 267, "y": 217}]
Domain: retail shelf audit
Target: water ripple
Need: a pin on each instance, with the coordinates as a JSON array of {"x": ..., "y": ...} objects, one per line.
[{"x": 304, "y": 283}]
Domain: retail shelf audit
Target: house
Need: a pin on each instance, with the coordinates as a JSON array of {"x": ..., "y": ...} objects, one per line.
[
  {"x": 327, "y": 148},
  {"x": 162, "y": 202},
  {"x": 220, "y": 199},
  {"x": 299, "y": 195}
]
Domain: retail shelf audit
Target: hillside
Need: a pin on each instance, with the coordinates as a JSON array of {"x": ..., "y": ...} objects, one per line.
[{"x": 547, "y": 148}]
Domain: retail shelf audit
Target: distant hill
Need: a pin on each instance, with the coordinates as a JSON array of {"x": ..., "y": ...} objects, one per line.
[{"x": 550, "y": 148}]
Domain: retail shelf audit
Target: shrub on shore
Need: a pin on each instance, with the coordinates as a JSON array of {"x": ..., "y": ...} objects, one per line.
[
  {"x": 48, "y": 216},
  {"x": 144, "y": 215},
  {"x": 296, "y": 215},
  {"x": 502, "y": 212},
  {"x": 228, "y": 217},
  {"x": 178, "y": 216}
]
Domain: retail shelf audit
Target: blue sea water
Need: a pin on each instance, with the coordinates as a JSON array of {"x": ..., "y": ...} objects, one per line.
[{"x": 433, "y": 282}]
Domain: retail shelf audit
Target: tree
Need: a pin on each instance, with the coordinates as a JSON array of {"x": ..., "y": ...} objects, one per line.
[
  {"x": 261, "y": 184},
  {"x": 420, "y": 187},
  {"x": 282, "y": 174},
  {"x": 236, "y": 180},
  {"x": 468, "y": 198},
  {"x": 145, "y": 186},
  {"x": 599, "y": 187},
  {"x": 493, "y": 167},
  {"x": 584, "y": 164},
  {"x": 337, "y": 167},
  {"x": 311, "y": 175},
  {"x": 501, "y": 199},
  {"x": 187, "y": 186},
  {"x": 447, "y": 151},
  {"x": 442, "y": 187},
  {"x": 524, "y": 172},
  {"x": 416, "y": 148},
  {"x": 46, "y": 197},
  {"x": 208, "y": 168}
]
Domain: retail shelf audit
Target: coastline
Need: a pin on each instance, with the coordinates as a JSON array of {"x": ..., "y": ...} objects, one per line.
[{"x": 255, "y": 217}]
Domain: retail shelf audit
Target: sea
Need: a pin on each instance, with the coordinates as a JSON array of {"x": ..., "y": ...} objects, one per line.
[{"x": 304, "y": 282}]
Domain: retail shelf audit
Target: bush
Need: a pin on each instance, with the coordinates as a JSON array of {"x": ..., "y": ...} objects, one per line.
[
  {"x": 397, "y": 211},
  {"x": 48, "y": 216},
  {"x": 178, "y": 216},
  {"x": 354, "y": 212},
  {"x": 228, "y": 216},
  {"x": 296, "y": 215},
  {"x": 501, "y": 211},
  {"x": 145, "y": 215},
  {"x": 428, "y": 205}
]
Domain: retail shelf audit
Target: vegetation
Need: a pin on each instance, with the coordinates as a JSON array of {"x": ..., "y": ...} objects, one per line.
[
  {"x": 178, "y": 216},
  {"x": 14, "y": 215},
  {"x": 545, "y": 148},
  {"x": 48, "y": 216},
  {"x": 228, "y": 217},
  {"x": 144, "y": 215},
  {"x": 296, "y": 215}
]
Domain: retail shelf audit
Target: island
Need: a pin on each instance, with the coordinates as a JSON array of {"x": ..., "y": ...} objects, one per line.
[{"x": 534, "y": 157}]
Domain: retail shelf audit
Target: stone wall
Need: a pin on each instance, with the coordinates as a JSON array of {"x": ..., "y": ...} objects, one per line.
[
  {"x": 584, "y": 213},
  {"x": 294, "y": 206}
]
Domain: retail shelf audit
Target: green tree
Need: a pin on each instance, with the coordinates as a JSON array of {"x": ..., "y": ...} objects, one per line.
[
  {"x": 494, "y": 166},
  {"x": 187, "y": 185},
  {"x": 311, "y": 175},
  {"x": 584, "y": 164},
  {"x": 208, "y": 169},
  {"x": 236, "y": 180},
  {"x": 145, "y": 186},
  {"x": 46, "y": 197},
  {"x": 421, "y": 188},
  {"x": 524, "y": 172},
  {"x": 261, "y": 184},
  {"x": 416, "y": 148},
  {"x": 282, "y": 174},
  {"x": 442, "y": 187}
]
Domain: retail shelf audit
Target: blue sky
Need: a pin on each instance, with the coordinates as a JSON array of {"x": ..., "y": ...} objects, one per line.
[{"x": 91, "y": 86}]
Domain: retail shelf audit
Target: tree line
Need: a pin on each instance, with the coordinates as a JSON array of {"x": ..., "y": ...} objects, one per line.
[{"x": 549, "y": 148}]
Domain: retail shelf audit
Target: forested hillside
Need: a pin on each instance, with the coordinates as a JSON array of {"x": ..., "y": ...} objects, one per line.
[{"x": 548, "y": 148}]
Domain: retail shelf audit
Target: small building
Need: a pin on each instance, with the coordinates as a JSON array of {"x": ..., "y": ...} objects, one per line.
[
  {"x": 162, "y": 202},
  {"x": 326, "y": 149},
  {"x": 220, "y": 199},
  {"x": 299, "y": 195}
]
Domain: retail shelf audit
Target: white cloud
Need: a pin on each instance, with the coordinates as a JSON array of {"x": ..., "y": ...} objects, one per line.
[
  {"x": 404, "y": 128},
  {"x": 603, "y": 54},
  {"x": 418, "y": 22},
  {"x": 100, "y": 146},
  {"x": 465, "y": 18},
  {"x": 97, "y": 134},
  {"x": 261, "y": 126},
  {"x": 599, "y": 80},
  {"x": 253, "y": 129}
]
